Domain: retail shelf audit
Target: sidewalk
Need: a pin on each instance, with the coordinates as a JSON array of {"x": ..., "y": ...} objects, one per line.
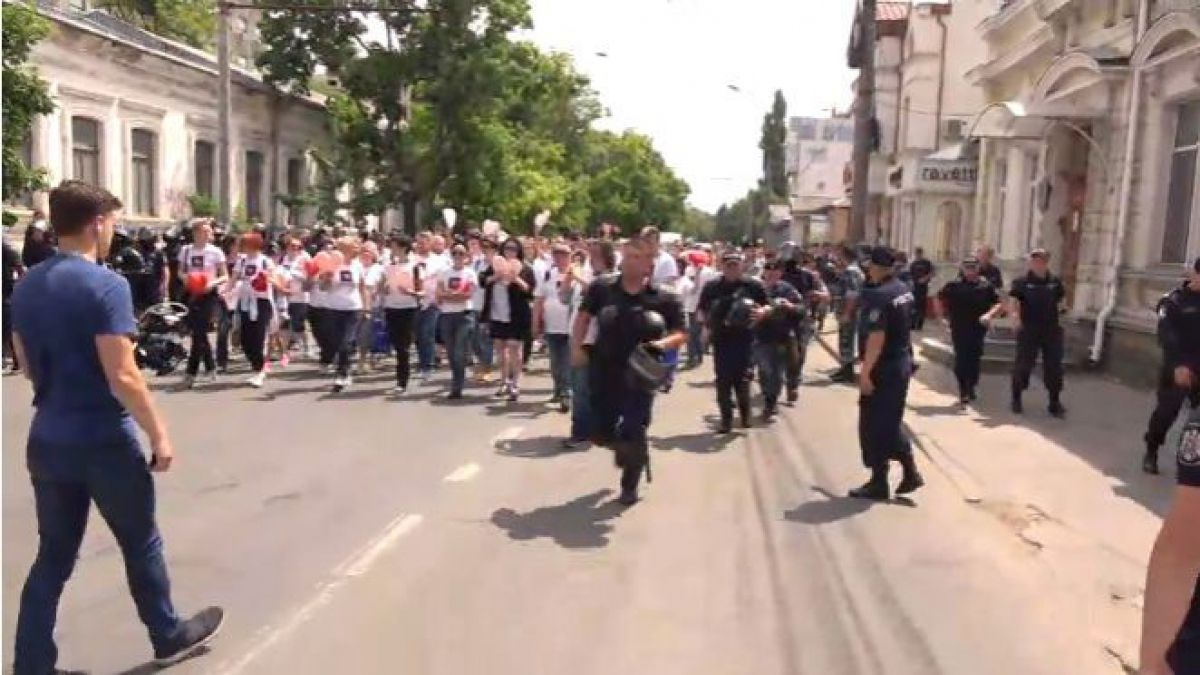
[{"x": 1072, "y": 490}]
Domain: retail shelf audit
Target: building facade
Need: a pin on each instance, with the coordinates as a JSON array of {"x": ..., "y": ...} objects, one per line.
[
  {"x": 1088, "y": 146},
  {"x": 137, "y": 114},
  {"x": 818, "y": 151}
]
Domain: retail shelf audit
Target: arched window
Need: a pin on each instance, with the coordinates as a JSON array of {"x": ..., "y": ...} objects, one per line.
[
  {"x": 85, "y": 150},
  {"x": 141, "y": 157},
  {"x": 949, "y": 219}
]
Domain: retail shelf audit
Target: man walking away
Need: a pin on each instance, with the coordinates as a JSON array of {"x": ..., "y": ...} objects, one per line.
[
  {"x": 1179, "y": 378},
  {"x": 921, "y": 271},
  {"x": 73, "y": 320},
  {"x": 968, "y": 304},
  {"x": 1036, "y": 304}
]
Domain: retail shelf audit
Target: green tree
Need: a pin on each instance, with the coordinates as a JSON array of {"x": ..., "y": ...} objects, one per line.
[
  {"x": 193, "y": 22},
  {"x": 25, "y": 98},
  {"x": 745, "y": 219},
  {"x": 698, "y": 224},
  {"x": 773, "y": 146}
]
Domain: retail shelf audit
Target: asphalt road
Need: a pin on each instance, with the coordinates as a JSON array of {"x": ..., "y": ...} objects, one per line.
[{"x": 360, "y": 534}]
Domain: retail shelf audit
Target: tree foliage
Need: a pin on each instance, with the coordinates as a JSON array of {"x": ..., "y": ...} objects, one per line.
[
  {"x": 465, "y": 116},
  {"x": 773, "y": 146},
  {"x": 25, "y": 98},
  {"x": 193, "y": 22},
  {"x": 744, "y": 219}
]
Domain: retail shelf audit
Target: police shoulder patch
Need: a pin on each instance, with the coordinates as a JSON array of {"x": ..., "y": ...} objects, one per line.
[
  {"x": 873, "y": 315},
  {"x": 1189, "y": 443}
]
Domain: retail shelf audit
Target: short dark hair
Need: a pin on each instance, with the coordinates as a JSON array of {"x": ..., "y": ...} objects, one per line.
[
  {"x": 401, "y": 240},
  {"x": 608, "y": 253},
  {"x": 650, "y": 232},
  {"x": 638, "y": 240},
  {"x": 74, "y": 204}
]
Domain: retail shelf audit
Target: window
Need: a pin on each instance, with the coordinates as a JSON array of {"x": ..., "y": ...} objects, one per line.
[
  {"x": 25, "y": 198},
  {"x": 295, "y": 170},
  {"x": 1032, "y": 212},
  {"x": 828, "y": 132},
  {"x": 205, "y": 156},
  {"x": 85, "y": 150},
  {"x": 817, "y": 154},
  {"x": 806, "y": 131},
  {"x": 949, "y": 231},
  {"x": 1181, "y": 188},
  {"x": 952, "y": 131},
  {"x": 254, "y": 185},
  {"x": 142, "y": 160},
  {"x": 1001, "y": 192}
]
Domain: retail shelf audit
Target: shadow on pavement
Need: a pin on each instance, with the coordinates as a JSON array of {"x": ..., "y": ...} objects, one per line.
[
  {"x": 536, "y": 448},
  {"x": 580, "y": 523},
  {"x": 700, "y": 443},
  {"x": 150, "y": 667}
]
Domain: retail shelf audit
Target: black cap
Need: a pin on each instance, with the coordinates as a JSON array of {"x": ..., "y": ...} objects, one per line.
[
  {"x": 1040, "y": 253},
  {"x": 733, "y": 256},
  {"x": 970, "y": 260},
  {"x": 773, "y": 265},
  {"x": 882, "y": 256}
]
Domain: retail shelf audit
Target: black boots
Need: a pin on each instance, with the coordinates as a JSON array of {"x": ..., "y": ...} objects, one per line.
[
  {"x": 875, "y": 489},
  {"x": 1056, "y": 407},
  {"x": 1150, "y": 460},
  {"x": 1017, "y": 408},
  {"x": 726, "y": 425},
  {"x": 912, "y": 479},
  {"x": 844, "y": 374}
]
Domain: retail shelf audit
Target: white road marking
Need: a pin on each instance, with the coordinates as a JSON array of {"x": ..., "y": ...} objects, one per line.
[
  {"x": 354, "y": 566},
  {"x": 509, "y": 434},
  {"x": 463, "y": 473}
]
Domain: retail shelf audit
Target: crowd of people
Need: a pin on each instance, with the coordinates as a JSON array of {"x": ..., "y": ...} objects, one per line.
[{"x": 617, "y": 319}]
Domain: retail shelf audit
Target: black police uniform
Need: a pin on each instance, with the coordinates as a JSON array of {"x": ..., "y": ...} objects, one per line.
[
  {"x": 993, "y": 274},
  {"x": 622, "y": 411},
  {"x": 1184, "y": 655},
  {"x": 1040, "y": 332},
  {"x": 1179, "y": 336},
  {"x": 921, "y": 271},
  {"x": 964, "y": 302},
  {"x": 887, "y": 308},
  {"x": 732, "y": 341}
]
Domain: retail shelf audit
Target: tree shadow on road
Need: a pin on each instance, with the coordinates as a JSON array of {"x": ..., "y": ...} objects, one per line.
[{"x": 580, "y": 523}]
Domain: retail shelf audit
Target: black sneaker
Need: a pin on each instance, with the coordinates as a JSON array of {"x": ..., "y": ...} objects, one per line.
[
  {"x": 564, "y": 405},
  {"x": 725, "y": 427},
  {"x": 1056, "y": 409},
  {"x": 911, "y": 482},
  {"x": 873, "y": 490},
  {"x": 193, "y": 635},
  {"x": 1150, "y": 461},
  {"x": 793, "y": 395},
  {"x": 628, "y": 497},
  {"x": 1017, "y": 408},
  {"x": 454, "y": 396}
]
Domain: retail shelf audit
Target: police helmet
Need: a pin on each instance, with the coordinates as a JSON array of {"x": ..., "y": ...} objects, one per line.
[
  {"x": 741, "y": 313},
  {"x": 654, "y": 326},
  {"x": 787, "y": 250},
  {"x": 146, "y": 234}
]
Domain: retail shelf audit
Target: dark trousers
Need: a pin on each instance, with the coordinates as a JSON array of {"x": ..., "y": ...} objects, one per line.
[
  {"x": 920, "y": 305},
  {"x": 427, "y": 333},
  {"x": 559, "y": 346},
  {"x": 6, "y": 321},
  {"x": 254, "y": 334},
  {"x": 968, "y": 353},
  {"x": 455, "y": 330},
  {"x": 772, "y": 359},
  {"x": 199, "y": 318},
  {"x": 880, "y": 415},
  {"x": 731, "y": 361},
  {"x": 1170, "y": 398},
  {"x": 1031, "y": 341},
  {"x": 224, "y": 328},
  {"x": 65, "y": 483},
  {"x": 342, "y": 325},
  {"x": 318, "y": 318},
  {"x": 400, "y": 333},
  {"x": 847, "y": 342},
  {"x": 297, "y": 314},
  {"x": 621, "y": 418},
  {"x": 797, "y": 355},
  {"x": 695, "y": 340}
]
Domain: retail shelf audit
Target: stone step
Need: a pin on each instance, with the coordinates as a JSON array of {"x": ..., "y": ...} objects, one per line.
[{"x": 998, "y": 354}]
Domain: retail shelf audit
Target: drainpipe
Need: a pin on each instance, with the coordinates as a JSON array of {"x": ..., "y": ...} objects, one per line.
[
  {"x": 939, "y": 14},
  {"x": 1112, "y": 276}
]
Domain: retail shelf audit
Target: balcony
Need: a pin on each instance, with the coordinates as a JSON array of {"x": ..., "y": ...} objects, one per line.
[{"x": 1006, "y": 12}]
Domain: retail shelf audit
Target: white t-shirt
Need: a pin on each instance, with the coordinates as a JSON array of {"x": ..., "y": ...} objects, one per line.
[
  {"x": 344, "y": 294},
  {"x": 431, "y": 266},
  {"x": 702, "y": 275},
  {"x": 556, "y": 315},
  {"x": 372, "y": 276},
  {"x": 666, "y": 269},
  {"x": 397, "y": 299},
  {"x": 501, "y": 310},
  {"x": 454, "y": 280},
  {"x": 245, "y": 271},
  {"x": 297, "y": 275},
  {"x": 540, "y": 266},
  {"x": 208, "y": 260}
]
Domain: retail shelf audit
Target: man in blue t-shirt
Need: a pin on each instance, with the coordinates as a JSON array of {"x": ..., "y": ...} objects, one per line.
[{"x": 73, "y": 322}]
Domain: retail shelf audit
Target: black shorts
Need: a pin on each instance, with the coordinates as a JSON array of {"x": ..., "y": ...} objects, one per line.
[
  {"x": 297, "y": 314},
  {"x": 505, "y": 330}
]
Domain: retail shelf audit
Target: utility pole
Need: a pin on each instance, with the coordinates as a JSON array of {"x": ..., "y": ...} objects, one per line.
[
  {"x": 864, "y": 113},
  {"x": 224, "y": 113}
]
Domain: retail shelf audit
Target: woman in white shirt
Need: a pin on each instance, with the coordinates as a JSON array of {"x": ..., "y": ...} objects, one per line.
[
  {"x": 346, "y": 301},
  {"x": 401, "y": 288},
  {"x": 295, "y": 264},
  {"x": 372, "y": 273},
  {"x": 253, "y": 285},
  {"x": 507, "y": 309},
  {"x": 455, "y": 288},
  {"x": 201, "y": 257}
]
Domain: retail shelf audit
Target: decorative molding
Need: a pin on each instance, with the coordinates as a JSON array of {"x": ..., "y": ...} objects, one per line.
[{"x": 70, "y": 92}]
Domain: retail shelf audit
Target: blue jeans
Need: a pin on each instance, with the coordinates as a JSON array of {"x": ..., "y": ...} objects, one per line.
[
  {"x": 66, "y": 480},
  {"x": 581, "y": 405},
  {"x": 560, "y": 363},
  {"x": 456, "y": 333},
  {"x": 482, "y": 339},
  {"x": 427, "y": 325},
  {"x": 671, "y": 360},
  {"x": 771, "y": 358},
  {"x": 342, "y": 327},
  {"x": 695, "y": 340}
]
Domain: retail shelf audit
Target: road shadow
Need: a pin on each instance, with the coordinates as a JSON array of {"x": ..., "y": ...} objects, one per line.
[
  {"x": 524, "y": 409},
  {"x": 150, "y": 667},
  {"x": 579, "y": 523},
  {"x": 703, "y": 443},
  {"x": 441, "y": 400},
  {"x": 830, "y": 507},
  {"x": 541, "y": 447},
  {"x": 935, "y": 410}
]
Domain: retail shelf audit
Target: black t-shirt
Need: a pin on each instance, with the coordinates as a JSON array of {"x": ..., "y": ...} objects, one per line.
[
  {"x": 888, "y": 308},
  {"x": 717, "y": 299},
  {"x": 965, "y": 301},
  {"x": 1039, "y": 298},
  {"x": 803, "y": 280},
  {"x": 778, "y": 326},
  {"x": 921, "y": 271},
  {"x": 992, "y": 274},
  {"x": 619, "y": 316}
]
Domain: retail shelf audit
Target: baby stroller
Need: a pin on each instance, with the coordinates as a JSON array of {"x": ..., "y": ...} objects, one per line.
[{"x": 160, "y": 338}]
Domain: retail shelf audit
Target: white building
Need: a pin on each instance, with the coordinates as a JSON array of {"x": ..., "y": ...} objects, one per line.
[
  {"x": 137, "y": 114},
  {"x": 1090, "y": 147},
  {"x": 818, "y": 151}
]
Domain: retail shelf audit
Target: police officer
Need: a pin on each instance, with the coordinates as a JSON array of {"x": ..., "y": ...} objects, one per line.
[
  {"x": 883, "y": 382},
  {"x": 629, "y": 311},
  {"x": 921, "y": 271},
  {"x": 968, "y": 305},
  {"x": 1036, "y": 305},
  {"x": 800, "y": 271},
  {"x": 849, "y": 285},
  {"x": 1171, "y": 620},
  {"x": 729, "y": 307},
  {"x": 1179, "y": 377},
  {"x": 776, "y": 338}
]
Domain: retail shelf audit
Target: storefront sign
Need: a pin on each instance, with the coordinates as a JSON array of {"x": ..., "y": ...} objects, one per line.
[{"x": 942, "y": 175}]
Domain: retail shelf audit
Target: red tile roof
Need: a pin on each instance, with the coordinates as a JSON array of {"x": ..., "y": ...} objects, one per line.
[{"x": 891, "y": 11}]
